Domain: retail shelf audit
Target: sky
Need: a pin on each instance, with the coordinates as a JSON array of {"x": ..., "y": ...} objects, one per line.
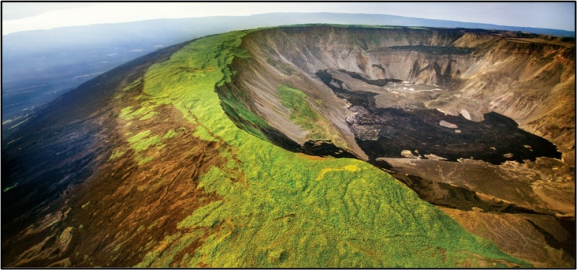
[{"x": 18, "y": 17}]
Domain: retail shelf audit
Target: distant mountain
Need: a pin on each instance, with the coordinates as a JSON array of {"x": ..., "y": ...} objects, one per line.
[
  {"x": 41, "y": 65},
  {"x": 178, "y": 30}
]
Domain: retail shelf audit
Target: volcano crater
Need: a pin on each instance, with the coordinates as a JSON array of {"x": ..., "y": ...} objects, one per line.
[{"x": 415, "y": 101}]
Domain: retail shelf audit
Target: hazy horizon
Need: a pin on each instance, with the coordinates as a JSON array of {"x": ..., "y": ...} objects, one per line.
[{"x": 18, "y": 17}]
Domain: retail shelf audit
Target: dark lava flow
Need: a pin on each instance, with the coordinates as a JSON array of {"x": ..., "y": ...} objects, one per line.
[
  {"x": 381, "y": 82},
  {"x": 419, "y": 130}
]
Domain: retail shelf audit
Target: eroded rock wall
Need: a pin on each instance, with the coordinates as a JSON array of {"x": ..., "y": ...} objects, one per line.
[{"x": 528, "y": 78}]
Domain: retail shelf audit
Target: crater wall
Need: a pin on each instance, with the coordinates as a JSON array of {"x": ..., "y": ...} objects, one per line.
[{"x": 528, "y": 78}]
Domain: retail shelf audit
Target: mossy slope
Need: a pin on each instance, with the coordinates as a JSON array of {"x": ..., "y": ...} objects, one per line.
[{"x": 304, "y": 115}]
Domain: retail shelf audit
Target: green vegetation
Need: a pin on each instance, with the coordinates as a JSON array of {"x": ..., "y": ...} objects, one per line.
[
  {"x": 148, "y": 115},
  {"x": 284, "y": 67},
  {"x": 9, "y": 188},
  {"x": 284, "y": 209},
  {"x": 304, "y": 115},
  {"x": 144, "y": 160},
  {"x": 126, "y": 112},
  {"x": 247, "y": 120},
  {"x": 132, "y": 85},
  {"x": 375, "y": 38},
  {"x": 170, "y": 134},
  {"x": 301, "y": 111},
  {"x": 142, "y": 141},
  {"x": 116, "y": 153},
  {"x": 144, "y": 110}
]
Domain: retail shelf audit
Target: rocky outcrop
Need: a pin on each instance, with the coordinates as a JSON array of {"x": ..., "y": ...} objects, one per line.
[{"x": 446, "y": 124}]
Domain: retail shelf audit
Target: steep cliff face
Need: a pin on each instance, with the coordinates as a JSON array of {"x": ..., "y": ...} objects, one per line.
[
  {"x": 528, "y": 78},
  {"x": 531, "y": 80}
]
